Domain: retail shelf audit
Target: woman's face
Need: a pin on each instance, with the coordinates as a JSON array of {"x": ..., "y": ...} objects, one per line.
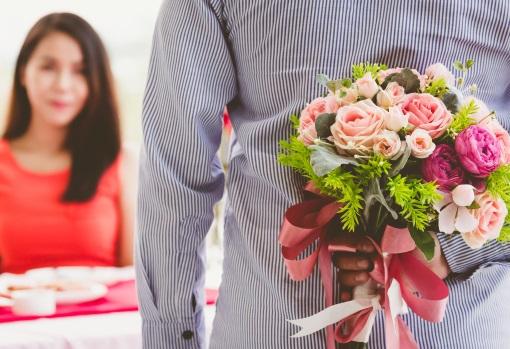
[{"x": 55, "y": 80}]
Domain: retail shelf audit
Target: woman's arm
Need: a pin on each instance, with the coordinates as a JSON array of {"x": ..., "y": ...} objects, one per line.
[{"x": 128, "y": 172}]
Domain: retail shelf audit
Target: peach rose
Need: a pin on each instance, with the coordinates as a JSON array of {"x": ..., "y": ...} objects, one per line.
[
  {"x": 421, "y": 143},
  {"x": 387, "y": 143},
  {"x": 307, "y": 132},
  {"x": 367, "y": 87},
  {"x": 427, "y": 112},
  {"x": 439, "y": 71},
  {"x": 490, "y": 216},
  {"x": 356, "y": 127},
  {"x": 502, "y": 137}
]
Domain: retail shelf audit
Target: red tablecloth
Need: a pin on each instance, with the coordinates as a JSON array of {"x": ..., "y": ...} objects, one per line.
[{"x": 120, "y": 297}]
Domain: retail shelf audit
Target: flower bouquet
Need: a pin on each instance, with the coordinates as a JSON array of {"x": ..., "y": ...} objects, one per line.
[{"x": 393, "y": 154}]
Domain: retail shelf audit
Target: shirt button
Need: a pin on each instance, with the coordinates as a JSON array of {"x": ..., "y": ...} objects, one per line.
[{"x": 187, "y": 334}]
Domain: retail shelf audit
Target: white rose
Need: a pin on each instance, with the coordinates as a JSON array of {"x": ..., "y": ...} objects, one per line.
[
  {"x": 396, "y": 120},
  {"x": 367, "y": 87},
  {"x": 439, "y": 71}
]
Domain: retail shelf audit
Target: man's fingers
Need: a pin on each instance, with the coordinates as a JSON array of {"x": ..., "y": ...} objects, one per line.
[
  {"x": 365, "y": 246},
  {"x": 345, "y": 295},
  {"x": 357, "y": 242},
  {"x": 352, "y": 278},
  {"x": 351, "y": 261}
]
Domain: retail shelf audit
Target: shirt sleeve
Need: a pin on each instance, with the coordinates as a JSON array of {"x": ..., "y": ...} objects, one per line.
[
  {"x": 463, "y": 259},
  {"x": 191, "y": 78}
]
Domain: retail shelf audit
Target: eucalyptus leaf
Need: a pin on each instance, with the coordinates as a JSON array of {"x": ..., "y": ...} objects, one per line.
[
  {"x": 374, "y": 193},
  {"x": 424, "y": 241},
  {"x": 401, "y": 162},
  {"x": 324, "y": 159},
  {"x": 451, "y": 101},
  {"x": 406, "y": 78},
  {"x": 323, "y": 124},
  {"x": 322, "y": 79},
  {"x": 334, "y": 85}
]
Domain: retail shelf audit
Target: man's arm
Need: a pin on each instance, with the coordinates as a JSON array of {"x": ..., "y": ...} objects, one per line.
[
  {"x": 463, "y": 259},
  {"x": 191, "y": 79}
]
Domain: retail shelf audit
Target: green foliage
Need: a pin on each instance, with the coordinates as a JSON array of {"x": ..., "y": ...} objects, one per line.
[
  {"x": 415, "y": 198},
  {"x": 504, "y": 236},
  {"x": 297, "y": 156},
  {"x": 462, "y": 119},
  {"x": 498, "y": 183},
  {"x": 359, "y": 70},
  {"x": 345, "y": 188},
  {"x": 294, "y": 119},
  {"x": 424, "y": 241},
  {"x": 463, "y": 67},
  {"x": 375, "y": 167},
  {"x": 437, "y": 88}
]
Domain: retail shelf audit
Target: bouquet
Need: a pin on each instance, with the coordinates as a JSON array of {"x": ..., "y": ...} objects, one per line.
[{"x": 393, "y": 154}]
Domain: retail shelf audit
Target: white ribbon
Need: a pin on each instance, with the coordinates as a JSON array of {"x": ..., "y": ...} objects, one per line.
[{"x": 364, "y": 298}]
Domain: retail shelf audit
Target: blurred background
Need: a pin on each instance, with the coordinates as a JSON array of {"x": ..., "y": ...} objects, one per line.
[
  {"x": 124, "y": 25},
  {"x": 126, "y": 28}
]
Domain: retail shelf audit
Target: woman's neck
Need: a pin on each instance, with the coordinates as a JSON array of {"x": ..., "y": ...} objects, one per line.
[{"x": 43, "y": 139}]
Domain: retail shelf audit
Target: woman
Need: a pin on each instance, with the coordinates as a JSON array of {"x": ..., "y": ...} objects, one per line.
[{"x": 66, "y": 188}]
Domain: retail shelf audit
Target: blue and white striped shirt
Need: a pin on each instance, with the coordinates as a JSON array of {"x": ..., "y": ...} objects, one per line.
[{"x": 260, "y": 58}]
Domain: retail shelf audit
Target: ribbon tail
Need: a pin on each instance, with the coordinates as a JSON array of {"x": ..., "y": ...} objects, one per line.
[
  {"x": 407, "y": 340},
  {"x": 328, "y": 316}
]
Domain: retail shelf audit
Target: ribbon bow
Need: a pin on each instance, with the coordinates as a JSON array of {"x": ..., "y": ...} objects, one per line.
[{"x": 406, "y": 280}]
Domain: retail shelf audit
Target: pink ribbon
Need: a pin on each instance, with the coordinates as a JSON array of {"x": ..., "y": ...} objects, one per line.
[
  {"x": 424, "y": 292},
  {"x": 304, "y": 224}
]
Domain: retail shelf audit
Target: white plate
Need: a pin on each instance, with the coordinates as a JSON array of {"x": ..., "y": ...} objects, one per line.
[{"x": 92, "y": 292}]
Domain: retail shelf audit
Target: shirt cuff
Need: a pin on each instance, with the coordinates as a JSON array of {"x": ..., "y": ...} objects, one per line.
[
  {"x": 463, "y": 259},
  {"x": 170, "y": 335}
]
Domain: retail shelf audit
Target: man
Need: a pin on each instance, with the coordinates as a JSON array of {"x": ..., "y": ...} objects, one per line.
[{"x": 260, "y": 58}]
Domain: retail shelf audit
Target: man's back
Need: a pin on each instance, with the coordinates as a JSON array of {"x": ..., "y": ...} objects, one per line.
[{"x": 273, "y": 52}]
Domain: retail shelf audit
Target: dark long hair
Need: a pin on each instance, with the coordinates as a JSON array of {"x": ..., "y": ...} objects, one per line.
[{"x": 93, "y": 137}]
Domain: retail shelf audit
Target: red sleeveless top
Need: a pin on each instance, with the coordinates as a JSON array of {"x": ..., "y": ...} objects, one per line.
[{"x": 38, "y": 230}]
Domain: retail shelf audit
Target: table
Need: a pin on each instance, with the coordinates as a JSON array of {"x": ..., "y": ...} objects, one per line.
[{"x": 104, "y": 331}]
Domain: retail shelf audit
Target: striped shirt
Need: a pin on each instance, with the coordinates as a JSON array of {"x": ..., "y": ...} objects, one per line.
[{"x": 260, "y": 58}]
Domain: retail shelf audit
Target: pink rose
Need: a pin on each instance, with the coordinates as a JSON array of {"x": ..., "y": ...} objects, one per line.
[
  {"x": 490, "y": 216},
  {"x": 367, "y": 87},
  {"x": 421, "y": 143},
  {"x": 387, "y": 143},
  {"x": 443, "y": 167},
  {"x": 307, "y": 131},
  {"x": 356, "y": 127},
  {"x": 478, "y": 150},
  {"x": 502, "y": 137},
  {"x": 439, "y": 71},
  {"x": 427, "y": 112}
]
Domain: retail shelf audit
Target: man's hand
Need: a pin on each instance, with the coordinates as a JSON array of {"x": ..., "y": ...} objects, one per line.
[
  {"x": 355, "y": 266},
  {"x": 438, "y": 263}
]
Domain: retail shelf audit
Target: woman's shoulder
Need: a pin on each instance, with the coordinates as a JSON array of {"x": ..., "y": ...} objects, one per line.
[{"x": 124, "y": 168}]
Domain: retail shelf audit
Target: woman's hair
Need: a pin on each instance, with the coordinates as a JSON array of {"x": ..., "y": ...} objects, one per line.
[{"x": 93, "y": 137}]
